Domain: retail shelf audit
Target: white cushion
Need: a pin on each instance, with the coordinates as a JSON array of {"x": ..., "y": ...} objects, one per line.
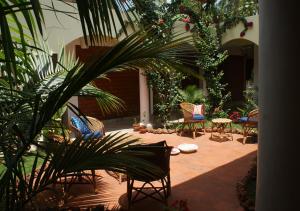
[
  {"x": 175, "y": 151},
  {"x": 187, "y": 147}
]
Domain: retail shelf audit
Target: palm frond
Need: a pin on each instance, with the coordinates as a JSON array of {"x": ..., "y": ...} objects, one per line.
[{"x": 59, "y": 159}]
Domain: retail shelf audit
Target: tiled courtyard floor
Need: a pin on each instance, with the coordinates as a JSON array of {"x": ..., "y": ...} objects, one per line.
[{"x": 206, "y": 179}]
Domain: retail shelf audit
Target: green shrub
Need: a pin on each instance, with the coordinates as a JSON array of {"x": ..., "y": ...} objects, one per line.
[{"x": 192, "y": 94}]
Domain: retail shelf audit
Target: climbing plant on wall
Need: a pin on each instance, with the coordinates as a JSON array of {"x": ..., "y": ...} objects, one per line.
[
  {"x": 166, "y": 86},
  {"x": 208, "y": 20}
]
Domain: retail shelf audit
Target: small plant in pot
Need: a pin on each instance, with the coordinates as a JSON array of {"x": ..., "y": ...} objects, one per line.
[{"x": 135, "y": 125}]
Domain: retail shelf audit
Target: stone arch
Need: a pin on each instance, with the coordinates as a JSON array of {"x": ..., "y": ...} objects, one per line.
[
  {"x": 123, "y": 84},
  {"x": 241, "y": 66},
  {"x": 107, "y": 41},
  {"x": 252, "y": 34}
]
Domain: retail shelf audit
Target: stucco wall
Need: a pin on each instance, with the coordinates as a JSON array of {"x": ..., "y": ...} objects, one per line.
[
  {"x": 252, "y": 33},
  {"x": 62, "y": 29}
]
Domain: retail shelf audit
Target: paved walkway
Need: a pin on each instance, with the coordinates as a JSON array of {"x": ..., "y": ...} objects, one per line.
[{"x": 206, "y": 179}]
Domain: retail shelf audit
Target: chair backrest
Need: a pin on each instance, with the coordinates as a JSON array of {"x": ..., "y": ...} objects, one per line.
[
  {"x": 253, "y": 114},
  {"x": 157, "y": 154},
  {"x": 188, "y": 109},
  {"x": 93, "y": 125}
]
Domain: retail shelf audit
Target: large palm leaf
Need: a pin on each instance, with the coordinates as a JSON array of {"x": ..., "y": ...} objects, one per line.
[
  {"x": 31, "y": 112},
  {"x": 59, "y": 159},
  {"x": 24, "y": 114},
  {"x": 98, "y": 19}
]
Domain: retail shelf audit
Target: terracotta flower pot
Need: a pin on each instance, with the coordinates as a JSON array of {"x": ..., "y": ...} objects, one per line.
[
  {"x": 143, "y": 130},
  {"x": 136, "y": 127}
]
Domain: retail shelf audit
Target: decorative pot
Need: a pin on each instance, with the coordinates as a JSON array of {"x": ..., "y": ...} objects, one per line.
[
  {"x": 143, "y": 130},
  {"x": 136, "y": 127}
]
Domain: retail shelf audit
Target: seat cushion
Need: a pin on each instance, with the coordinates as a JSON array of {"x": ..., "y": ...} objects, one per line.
[
  {"x": 243, "y": 119},
  {"x": 198, "y": 109},
  {"x": 247, "y": 119},
  {"x": 198, "y": 117},
  {"x": 96, "y": 135},
  {"x": 81, "y": 125}
]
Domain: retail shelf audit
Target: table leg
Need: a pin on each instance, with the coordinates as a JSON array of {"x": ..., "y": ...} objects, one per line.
[
  {"x": 193, "y": 126},
  {"x": 231, "y": 131}
]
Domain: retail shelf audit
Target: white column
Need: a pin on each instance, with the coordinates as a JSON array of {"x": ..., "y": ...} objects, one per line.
[
  {"x": 74, "y": 101},
  {"x": 205, "y": 88},
  {"x": 255, "y": 66},
  {"x": 144, "y": 98},
  {"x": 279, "y": 143},
  {"x": 151, "y": 102}
]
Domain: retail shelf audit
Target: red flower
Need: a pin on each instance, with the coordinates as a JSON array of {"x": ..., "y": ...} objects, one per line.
[
  {"x": 187, "y": 27},
  {"x": 242, "y": 34},
  {"x": 186, "y": 20},
  {"x": 234, "y": 116},
  {"x": 250, "y": 24},
  {"x": 161, "y": 21}
]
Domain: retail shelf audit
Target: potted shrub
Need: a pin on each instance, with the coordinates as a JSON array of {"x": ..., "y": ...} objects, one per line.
[{"x": 135, "y": 125}]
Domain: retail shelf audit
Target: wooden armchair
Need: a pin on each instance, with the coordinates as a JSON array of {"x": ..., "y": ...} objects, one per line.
[
  {"x": 249, "y": 123},
  {"x": 187, "y": 110},
  {"x": 157, "y": 187}
]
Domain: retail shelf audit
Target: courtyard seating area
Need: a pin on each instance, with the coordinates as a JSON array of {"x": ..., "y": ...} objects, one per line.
[{"x": 206, "y": 179}]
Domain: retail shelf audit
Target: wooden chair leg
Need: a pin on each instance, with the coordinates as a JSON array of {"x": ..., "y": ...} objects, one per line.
[
  {"x": 245, "y": 134},
  {"x": 169, "y": 185},
  {"x": 94, "y": 179},
  {"x": 129, "y": 191}
]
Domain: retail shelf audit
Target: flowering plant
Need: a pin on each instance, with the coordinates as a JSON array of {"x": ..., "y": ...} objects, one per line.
[
  {"x": 234, "y": 116},
  {"x": 178, "y": 205}
]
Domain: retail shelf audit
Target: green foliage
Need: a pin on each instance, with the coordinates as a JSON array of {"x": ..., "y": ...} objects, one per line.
[
  {"x": 33, "y": 90},
  {"x": 166, "y": 86},
  {"x": 192, "y": 94},
  {"x": 210, "y": 58},
  {"x": 250, "y": 95},
  {"x": 216, "y": 98}
]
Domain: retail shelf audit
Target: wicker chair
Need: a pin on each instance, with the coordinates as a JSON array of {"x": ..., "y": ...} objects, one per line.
[
  {"x": 93, "y": 124},
  {"x": 83, "y": 177},
  {"x": 250, "y": 122},
  {"x": 187, "y": 110}
]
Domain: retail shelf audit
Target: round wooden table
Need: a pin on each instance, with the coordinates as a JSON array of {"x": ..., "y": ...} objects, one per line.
[{"x": 221, "y": 124}]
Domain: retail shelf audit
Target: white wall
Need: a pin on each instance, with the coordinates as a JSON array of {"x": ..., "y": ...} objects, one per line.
[
  {"x": 252, "y": 34},
  {"x": 63, "y": 29}
]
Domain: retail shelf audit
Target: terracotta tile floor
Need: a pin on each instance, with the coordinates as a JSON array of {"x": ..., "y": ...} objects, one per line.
[{"x": 206, "y": 179}]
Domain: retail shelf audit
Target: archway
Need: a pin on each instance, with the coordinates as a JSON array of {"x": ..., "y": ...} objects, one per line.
[
  {"x": 240, "y": 68},
  {"x": 123, "y": 84}
]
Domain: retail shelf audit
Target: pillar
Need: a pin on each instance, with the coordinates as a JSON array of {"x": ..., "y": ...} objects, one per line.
[
  {"x": 279, "y": 74},
  {"x": 255, "y": 66},
  {"x": 144, "y": 98},
  {"x": 74, "y": 101},
  {"x": 151, "y": 102}
]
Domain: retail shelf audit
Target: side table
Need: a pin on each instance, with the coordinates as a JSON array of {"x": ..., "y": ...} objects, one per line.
[{"x": 221, "y": 124}]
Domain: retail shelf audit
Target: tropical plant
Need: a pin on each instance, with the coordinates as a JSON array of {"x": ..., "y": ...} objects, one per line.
[
  {"x": 166, "y": 86},
  {"x": 30, "y": 97},
  {"x": 217, "y": 95},
  {"x": 207, "y": 20},
  {"x": 192, "y": 94},
  {"x": 250, "y": 103}
]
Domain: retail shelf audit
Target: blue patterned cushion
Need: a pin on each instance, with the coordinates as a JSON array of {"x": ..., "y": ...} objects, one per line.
[
  {"x": 243, "y": 119},
  {"x": 96, "y": 134},
  {"x": 81, "y": 125},
  {"x": 198, "y": 117},
  {"x": 247, "y": 119}
]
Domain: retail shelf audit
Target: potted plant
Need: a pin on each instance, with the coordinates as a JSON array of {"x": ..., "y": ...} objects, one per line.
[{"x": 135, "y": 125}]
